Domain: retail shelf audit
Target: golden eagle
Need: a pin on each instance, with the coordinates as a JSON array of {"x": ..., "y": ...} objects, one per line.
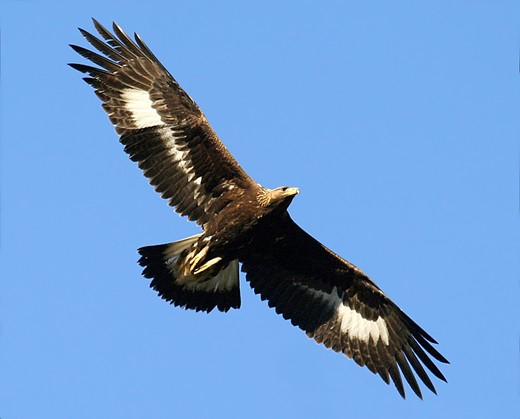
[{"x": 165, "y": 132}]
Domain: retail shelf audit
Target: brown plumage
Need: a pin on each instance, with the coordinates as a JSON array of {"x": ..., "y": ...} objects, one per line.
[{"x": 165, "y": 132}]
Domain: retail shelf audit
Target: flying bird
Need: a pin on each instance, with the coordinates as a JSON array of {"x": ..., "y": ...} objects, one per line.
[{"x": 242, "y": 222}]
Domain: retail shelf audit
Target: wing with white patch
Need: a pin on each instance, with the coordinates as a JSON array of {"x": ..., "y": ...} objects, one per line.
[
  {"x": 338, "y": 305},
  {"x": 161, "y": 127}
]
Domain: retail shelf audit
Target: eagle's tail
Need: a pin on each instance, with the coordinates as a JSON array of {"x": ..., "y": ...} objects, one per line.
[{"x": 203, "y": 291}]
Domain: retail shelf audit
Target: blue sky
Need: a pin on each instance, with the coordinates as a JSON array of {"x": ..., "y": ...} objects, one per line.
[{"x": 398, "y": 121}]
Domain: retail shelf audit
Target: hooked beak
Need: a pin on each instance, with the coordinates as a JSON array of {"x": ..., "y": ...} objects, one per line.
[{"x": 292, "y": 191}]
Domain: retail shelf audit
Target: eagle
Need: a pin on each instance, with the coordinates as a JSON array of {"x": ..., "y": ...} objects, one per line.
[{"x": 242, "y": 223}]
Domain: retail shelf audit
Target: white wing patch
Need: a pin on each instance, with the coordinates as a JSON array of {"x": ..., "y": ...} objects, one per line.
[
  {"x": 140, "y": 106},
  {"x": 354, "y": 325},
  {"x": 175, "y": 141}
]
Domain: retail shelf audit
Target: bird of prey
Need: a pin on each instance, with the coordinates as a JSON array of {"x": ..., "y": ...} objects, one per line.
[{"x": 242, "y": 222}]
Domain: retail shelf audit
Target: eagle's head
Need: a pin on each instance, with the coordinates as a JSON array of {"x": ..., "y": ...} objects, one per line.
[{"x": 280, "y": 197}]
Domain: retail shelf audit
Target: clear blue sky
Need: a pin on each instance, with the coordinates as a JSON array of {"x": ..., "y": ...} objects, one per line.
[{"x": 399, "y": 122}]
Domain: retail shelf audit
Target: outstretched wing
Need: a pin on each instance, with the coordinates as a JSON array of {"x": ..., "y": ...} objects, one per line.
[
  {"x": 161, "y": 127},
  {"x": 338, "y": 305}
]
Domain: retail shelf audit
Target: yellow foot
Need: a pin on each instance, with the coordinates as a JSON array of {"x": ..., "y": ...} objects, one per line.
[
  {"x": 207, "y": 265},
  {"x": 197, "y": 258}
]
